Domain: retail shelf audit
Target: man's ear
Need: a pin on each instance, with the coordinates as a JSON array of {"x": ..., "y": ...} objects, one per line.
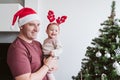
[
  {"x": 46, "y": 31},
  {"x": 21, "y": 27}
]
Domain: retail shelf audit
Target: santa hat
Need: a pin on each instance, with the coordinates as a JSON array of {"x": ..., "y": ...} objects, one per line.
[{"x": 24, "y": 16}]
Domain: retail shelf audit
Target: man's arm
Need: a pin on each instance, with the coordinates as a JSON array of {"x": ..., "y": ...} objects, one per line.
[{"x": 39, "y": 75}]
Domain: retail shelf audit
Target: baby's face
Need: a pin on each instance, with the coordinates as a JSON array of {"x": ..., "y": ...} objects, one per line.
[{"x": 53, "y": 31}]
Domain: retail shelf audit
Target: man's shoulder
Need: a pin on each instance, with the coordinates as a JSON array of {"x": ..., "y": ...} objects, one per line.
[{"x": 17, "y": 43}]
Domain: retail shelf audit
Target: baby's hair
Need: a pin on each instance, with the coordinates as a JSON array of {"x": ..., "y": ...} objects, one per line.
[{"x": 52, "y": 24}]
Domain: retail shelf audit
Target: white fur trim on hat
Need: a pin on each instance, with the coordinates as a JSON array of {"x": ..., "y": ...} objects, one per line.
[{"x": 27, "y": 19}]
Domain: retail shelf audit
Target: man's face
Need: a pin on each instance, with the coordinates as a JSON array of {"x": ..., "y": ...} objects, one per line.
[{"x": 30, "y": 30}]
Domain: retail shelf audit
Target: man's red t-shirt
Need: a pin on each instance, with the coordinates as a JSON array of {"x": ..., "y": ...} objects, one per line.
[{"x": 24, "y": 57}]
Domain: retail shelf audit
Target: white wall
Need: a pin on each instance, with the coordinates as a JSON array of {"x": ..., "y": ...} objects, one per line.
[{"x": 84, "y": 18}]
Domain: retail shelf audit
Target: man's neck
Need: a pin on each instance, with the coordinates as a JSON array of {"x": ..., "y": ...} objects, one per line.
[{"x": 25, "y": 39}]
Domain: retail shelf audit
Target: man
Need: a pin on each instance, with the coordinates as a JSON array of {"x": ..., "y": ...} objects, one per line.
[{"x": 25, "y": 57}]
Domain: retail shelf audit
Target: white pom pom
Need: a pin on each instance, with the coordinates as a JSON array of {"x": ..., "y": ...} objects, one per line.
[
  {"x": 107, "y": 55},
  {"x": 98, "y": 54}
]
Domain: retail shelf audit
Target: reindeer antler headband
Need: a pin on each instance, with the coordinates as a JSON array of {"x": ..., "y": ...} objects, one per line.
[{"x": 59, "y": 20}]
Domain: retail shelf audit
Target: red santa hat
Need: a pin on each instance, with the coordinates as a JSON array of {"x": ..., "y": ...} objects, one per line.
[{"x": 24, "y": 16}]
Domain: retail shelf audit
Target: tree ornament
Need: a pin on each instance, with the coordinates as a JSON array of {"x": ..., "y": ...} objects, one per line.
[
  {"x": 117, "y": 51},
  {"x": 98, "y": 54},
  {"x": 107, "y": 55},
  {"x": 117, "y": 68},
  {"x": 103, "y": 76},
  {"x": 112, "y": 57},
  {"x": 105, "y": 33},
  {"x": 115, "y": 64},
  {"x": 96, "y": 74},
  {"x": 105, "y": 67},
  {"x": 118, "y": 71},
  {"x": 117, "y": 39}
]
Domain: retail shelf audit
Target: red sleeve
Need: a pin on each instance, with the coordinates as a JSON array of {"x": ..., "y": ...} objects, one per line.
[{"x": 18, "y": 61}]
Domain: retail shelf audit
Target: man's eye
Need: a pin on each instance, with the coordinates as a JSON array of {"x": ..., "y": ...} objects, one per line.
[
  {"x": 31, "y": 24},
  {"x": 38, "y": 24}
]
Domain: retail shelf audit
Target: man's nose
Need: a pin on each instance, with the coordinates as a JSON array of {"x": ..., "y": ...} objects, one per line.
[{"x": 37, "y": 28}]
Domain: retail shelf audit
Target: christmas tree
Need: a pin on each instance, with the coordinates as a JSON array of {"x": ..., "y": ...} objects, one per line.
[{"x": 102, "y": 59}]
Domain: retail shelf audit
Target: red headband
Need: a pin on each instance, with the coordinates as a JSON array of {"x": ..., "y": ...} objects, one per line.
[{"x": 59, "y": 20}]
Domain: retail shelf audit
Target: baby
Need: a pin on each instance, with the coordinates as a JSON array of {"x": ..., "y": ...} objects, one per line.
[{"x": 52, "y": 45}]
